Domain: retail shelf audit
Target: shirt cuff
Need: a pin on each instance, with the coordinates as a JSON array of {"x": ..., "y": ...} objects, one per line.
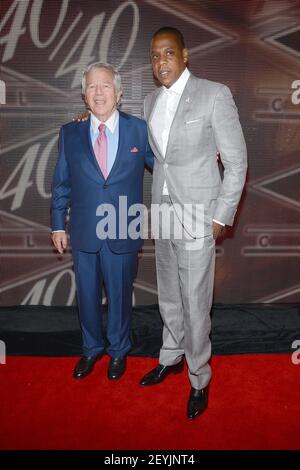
[
  {"x": 218, "y": 222},
  {"x": 57, "y": 231}
]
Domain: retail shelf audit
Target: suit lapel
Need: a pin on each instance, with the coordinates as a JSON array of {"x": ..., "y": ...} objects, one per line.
[
  {"x": 87, "y": 143},
  {"x": 185, "y": 105},
  {"x": 153, "y": 141},
  {"x": 123, "y": 133}
]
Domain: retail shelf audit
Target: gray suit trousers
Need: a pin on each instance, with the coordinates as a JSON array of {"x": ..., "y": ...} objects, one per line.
[{"x": 185, "y": 280}]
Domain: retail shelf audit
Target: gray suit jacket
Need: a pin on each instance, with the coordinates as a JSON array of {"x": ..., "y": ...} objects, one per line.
[{"x": 206, "y": 121}]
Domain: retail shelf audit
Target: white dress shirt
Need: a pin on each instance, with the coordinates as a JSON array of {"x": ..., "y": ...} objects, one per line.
[{"x": 112, "y": 135}]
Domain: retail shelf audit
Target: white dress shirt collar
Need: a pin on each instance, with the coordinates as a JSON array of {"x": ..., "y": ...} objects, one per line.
[
  {"x": 111, "y": 122},
  {"x": 180, "y": 83}
]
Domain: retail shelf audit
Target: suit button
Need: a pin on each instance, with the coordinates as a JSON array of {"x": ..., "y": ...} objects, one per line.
[{"x": 105, "y": 186}]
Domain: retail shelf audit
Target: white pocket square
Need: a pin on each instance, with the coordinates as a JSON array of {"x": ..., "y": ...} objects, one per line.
[{"x": 193, "y": 120}]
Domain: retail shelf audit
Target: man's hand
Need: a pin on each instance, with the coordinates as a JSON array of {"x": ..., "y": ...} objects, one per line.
[
  {"x": 59, "y": 240},
  {"x": 82, "y": 117},
  {"x": 217, "y": 230}
]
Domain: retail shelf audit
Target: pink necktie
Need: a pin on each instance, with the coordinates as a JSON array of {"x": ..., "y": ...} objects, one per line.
[{"x": 100, "y": 149}]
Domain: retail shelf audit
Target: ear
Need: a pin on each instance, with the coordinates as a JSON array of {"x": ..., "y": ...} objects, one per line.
[
  {"x": 84, "y": 100},
  {"x": 185, "y": 55},
  {"x": 119, "y": 96}
]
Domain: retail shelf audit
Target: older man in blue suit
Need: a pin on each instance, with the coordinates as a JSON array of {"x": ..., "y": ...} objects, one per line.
[{"x": 101, "y": 160}]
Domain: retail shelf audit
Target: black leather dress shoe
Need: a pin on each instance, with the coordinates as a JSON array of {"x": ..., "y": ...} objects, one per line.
[
  {"x": 85, "y": 365},
  {"x": 116, "y": 368},
  {"x": 197, "y": 402},
  {"x": 157, "y": 375}
]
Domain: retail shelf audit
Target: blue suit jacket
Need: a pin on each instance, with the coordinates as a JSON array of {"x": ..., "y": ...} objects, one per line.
[{"x": 78, "y": 183}]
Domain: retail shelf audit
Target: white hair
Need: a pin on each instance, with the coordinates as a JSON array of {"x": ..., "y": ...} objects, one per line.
[{"x": 102, "y": 65}]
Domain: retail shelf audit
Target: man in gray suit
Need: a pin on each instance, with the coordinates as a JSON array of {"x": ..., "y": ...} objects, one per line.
[{"x": 189, "y": 121}]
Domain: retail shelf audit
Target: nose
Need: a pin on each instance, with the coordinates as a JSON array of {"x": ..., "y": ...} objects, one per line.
[
  {"x": 162, "y": 60},
  {"x": 99, "y": 89}
]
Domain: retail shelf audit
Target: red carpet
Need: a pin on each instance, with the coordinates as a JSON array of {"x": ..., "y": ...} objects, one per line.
[{"x": 253, "y": 404}]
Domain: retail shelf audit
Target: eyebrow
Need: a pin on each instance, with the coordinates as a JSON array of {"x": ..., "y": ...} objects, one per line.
[
  {"x": 167, "y": 48},
  {"x": 95, "y": 81}
]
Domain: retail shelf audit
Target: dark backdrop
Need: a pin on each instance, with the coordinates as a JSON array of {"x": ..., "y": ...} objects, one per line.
[{"x": 253, "y": 46}]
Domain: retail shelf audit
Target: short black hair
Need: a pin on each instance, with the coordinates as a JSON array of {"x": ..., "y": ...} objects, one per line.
[{"x": 171, "y": 30}]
